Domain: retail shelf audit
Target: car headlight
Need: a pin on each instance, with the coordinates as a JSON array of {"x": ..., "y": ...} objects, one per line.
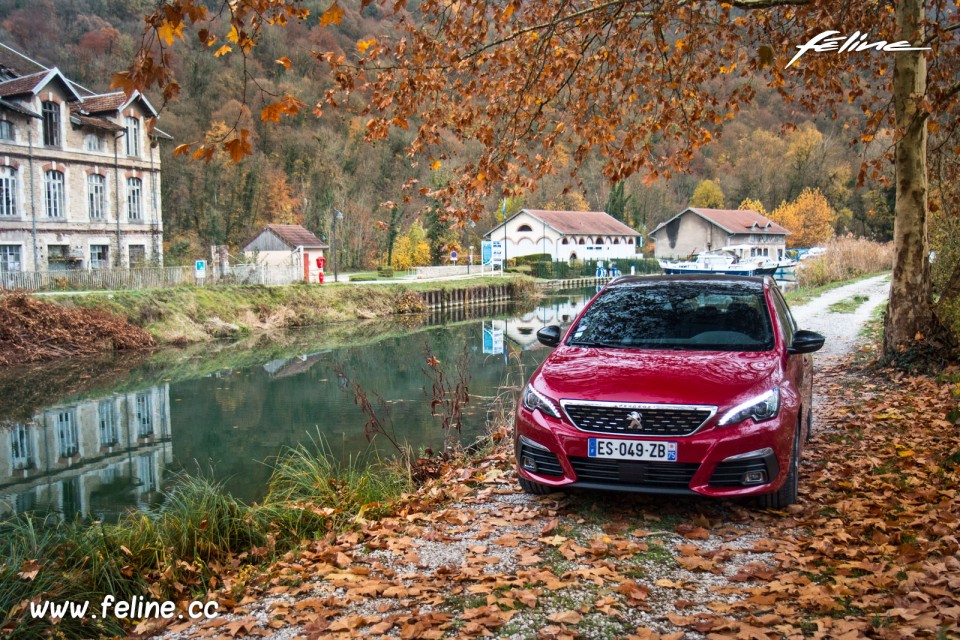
[
  {"x": 533, "y": 399},
  {"x": 762, "y": 407}
]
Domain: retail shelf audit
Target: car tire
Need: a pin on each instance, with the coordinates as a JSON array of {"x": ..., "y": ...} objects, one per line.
[
  {"x": 788, "y": 493},
  {"x": 534, "y": 488}
]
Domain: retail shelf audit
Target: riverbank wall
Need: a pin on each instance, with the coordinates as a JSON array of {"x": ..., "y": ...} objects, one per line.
[{"x": 187, "y": 315}]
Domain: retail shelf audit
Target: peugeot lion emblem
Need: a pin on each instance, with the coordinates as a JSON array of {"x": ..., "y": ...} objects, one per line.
[{"x": 636, "y": 420}]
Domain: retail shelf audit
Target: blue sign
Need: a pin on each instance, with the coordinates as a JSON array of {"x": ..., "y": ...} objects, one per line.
[{"x": 201, "y": 268}]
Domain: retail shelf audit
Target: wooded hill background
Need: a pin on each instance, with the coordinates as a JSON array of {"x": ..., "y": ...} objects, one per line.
[{"x": 303, "y": 168}]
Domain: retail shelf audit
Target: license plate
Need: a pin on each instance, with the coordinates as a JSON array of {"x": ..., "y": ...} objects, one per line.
[{"x": 632, "y": 450}]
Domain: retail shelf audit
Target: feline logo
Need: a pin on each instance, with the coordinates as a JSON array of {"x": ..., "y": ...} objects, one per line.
[{"x": 827, "y": 41}]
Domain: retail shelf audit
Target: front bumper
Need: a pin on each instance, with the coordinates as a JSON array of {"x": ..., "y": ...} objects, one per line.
[{"x": 712, "y": 462}]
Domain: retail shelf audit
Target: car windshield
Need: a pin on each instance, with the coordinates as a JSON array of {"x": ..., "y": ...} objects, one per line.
[{"x": 688, "y": 314}]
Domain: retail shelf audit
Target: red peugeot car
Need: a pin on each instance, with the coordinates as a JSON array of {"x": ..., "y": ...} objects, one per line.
[{"x": 672, "y": 384}]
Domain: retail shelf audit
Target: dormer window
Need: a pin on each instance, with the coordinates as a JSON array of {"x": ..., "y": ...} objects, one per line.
[
  {"x": 133, "y": 136},
  {"x": 50, "y": 111}
]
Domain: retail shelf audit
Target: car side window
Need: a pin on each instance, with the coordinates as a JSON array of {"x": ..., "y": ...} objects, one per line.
[{"x": 786, "y": 318}]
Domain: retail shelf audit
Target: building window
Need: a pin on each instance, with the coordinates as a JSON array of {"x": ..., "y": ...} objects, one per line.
[
  {"x": 58, "y": 257},
  {"x": 21, "y": 455},
  {"x": 582, "y": 241},
  {"x": 524, "y": 227},
  {"x": 564, "y": 241},
  {"x": 138, "y": 255},
  {"x": 6, "y": 130},
  {"x": 51, "y": 123},
  {"x": 599, "y": 240},
  {"x": 96, "y": 196},
  {"x": 9, "y": 258},
  {"x": 133, "y": 136},
  {"x": 93, "y": 142},
  {"x": 8, "y": 192},
  {"x": 629, "y": 240},
  {"x": 108, "y": 424},
  {"x": 67, "y": 434},
  {"x": 144, "y": 416},
  {"x": 134, "y": 199},
  {"x": 53, "y": 189},
  {"x": 99, "y": 256}
]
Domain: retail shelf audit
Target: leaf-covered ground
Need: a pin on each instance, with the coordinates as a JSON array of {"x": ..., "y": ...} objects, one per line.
[{"x": 870, "y": 551}]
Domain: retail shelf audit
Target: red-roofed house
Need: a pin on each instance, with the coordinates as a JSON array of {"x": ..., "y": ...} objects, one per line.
[
  {"x": 566, "y": 235},
  {"x": 79, "y": 174},
  {"x": 287, "y": 245},
  {"x": 742, "y": 232}
]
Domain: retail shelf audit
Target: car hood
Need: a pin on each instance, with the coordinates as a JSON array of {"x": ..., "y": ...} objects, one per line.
[{"x": 671, "y": 377}]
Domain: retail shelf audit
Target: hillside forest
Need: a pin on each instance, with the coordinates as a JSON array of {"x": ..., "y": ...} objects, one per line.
[{"x": 798, "y": 168}]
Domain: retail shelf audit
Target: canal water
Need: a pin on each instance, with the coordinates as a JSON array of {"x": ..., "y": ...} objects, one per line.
[{"x": 95, "y": 437}]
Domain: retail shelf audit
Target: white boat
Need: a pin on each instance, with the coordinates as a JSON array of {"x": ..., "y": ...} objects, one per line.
[{"x": 721, "y": 262}]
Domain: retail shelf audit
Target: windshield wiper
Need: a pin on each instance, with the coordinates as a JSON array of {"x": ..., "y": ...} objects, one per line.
[{"x": 593, "y": 343}]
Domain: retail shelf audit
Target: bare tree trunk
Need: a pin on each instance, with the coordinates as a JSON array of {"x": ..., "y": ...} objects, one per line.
[{"x": 909, "y": 311}]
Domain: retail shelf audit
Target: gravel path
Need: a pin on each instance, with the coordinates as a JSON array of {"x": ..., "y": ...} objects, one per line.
[
  {"x": 841, "y": 329},
  {"x": 493, "y": 561}
]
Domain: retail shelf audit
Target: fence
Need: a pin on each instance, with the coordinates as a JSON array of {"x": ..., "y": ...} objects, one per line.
[{"x": 146, "y": 278}]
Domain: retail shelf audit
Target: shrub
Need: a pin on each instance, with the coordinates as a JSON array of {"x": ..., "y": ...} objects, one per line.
[
  {"x": 845, "y": 258},
  {"x": 385, "y": 272}
]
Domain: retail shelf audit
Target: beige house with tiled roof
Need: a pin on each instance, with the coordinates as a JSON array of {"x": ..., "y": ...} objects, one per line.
[
  {"x": 566, "y": 235},
  {"x": 287, "y": 245},
  {"x": 79, "y": 174},
  {"x": 742, "y": 232}
]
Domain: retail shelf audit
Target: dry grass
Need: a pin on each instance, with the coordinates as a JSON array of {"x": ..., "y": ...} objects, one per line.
[{"x": 846, "y": 258}]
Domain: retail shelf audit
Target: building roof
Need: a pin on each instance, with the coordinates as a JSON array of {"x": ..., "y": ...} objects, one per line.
[
  {"x": 34, "y": 83},
  {"x": 97, "y": 123},
  {"x": 593, "y": 223},
  {"x": 293, "y": 235},
  {"x": 733, "y": 221},
  {"x": 18, "y": 108},
  {"x": 15, "y": 63},
  {"x": 104, "y": 102}
]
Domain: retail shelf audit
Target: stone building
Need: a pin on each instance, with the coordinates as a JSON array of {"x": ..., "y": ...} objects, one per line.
[
  {"x": 79, "y": 173},
  {"x": 743, "y": 232}
]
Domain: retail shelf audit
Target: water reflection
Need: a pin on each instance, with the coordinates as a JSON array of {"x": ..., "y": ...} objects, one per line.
[
  {"x": 89, "y": 458},
  {"x": 79, "y": 449}
]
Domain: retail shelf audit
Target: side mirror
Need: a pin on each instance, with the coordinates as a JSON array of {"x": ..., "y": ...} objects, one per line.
[
  {"x": 549, "y": 336},
  {"x": 805, "y": 342}
]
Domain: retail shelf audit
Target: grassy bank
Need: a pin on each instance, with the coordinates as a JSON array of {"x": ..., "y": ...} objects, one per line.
[
  {"x": 190, "y": 314},
  {"x": 200, "y": 536}
]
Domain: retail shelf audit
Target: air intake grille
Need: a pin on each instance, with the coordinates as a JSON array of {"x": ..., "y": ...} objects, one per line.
[
  {"x": 639, "y": 420},
  {"x": 731, "y": 472},
  {"x": 664, "y": 475},
  {"x": 547, "y": 463}
]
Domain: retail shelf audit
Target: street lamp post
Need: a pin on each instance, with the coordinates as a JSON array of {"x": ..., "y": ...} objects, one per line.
[{"x": 337, "y": 215}]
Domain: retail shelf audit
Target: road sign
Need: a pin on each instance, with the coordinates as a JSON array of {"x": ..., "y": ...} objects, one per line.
[
  {"x": 453, "y": 256},
  {"x": 201, "y": 268}
]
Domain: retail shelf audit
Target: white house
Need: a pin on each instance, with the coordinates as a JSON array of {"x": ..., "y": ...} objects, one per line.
[
  {"x": 287, "y": 245},
  {"x": 743, "y": 232},
  {"x": 566, "y": 235}
]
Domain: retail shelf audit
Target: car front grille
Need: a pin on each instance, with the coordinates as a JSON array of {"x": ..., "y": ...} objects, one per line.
[
  {"x": 633, "y": 474},
  {"x": 637, "y": 419},
  {"x": 547, "y": 463}
]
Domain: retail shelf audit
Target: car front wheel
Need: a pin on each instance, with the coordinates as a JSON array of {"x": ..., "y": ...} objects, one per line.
[
  {"x": 534, "y": 488},
  {"x": 787, "y": 494}
]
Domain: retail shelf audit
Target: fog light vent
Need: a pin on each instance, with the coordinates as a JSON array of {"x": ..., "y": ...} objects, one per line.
[
  {"x": 755, "y": 477},
  {"x": 529, "y": 464}
]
